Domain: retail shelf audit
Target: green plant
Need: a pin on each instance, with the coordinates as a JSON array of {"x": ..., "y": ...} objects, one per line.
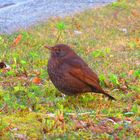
[
  {"x": 132, "y": 44},
  {"x": 2, "y": 42},
  {"x": 101, "y": 53},
  {"x": 102, "y": 79},
  {"x": 114, "y": 79},
  {"x": 98, "y": 53},
  {"x": 137, "y": 74},
  {"x": 120, "y": 4},
  {"x": 61, "y": 26}
]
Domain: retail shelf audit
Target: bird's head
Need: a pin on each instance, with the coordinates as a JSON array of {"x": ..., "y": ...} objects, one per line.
[{"x": 60, "y": 50}]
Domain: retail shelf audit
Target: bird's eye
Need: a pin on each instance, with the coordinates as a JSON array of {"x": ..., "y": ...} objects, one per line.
[{"x": 58, "y": 50}]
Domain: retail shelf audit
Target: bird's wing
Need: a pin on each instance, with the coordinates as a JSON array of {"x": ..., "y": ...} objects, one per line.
[{"x": 80, "y": 70}]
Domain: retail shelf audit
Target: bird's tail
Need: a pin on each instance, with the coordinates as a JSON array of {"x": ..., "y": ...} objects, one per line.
[
  {"x": 100, "y": 90},
  {"x": 106, "y": 94},
  {"x": 109, "y": 96}
]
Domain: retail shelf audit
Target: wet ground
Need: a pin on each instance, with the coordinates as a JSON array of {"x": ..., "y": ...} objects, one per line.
[{"x": 17, "y": 14}]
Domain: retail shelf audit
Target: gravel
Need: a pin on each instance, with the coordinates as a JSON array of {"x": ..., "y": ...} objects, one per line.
[{"x": 21, "y": 14}]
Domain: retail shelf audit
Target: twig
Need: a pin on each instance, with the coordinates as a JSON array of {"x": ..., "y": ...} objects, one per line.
[
  {"x": 58, "y": 37},
  {"x": 79, "y": 114}
]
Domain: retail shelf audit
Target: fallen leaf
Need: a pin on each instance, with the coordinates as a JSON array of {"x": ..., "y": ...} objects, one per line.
[
  {"x": 115, "y": 14},
  {"x": 135, "y": 13},
  {"x": 37, "y": 73},
  {"x": 130, "y": 72},
  {"x": 36, "y": 80},
  {"x": 17, "y": 39},
  {"x": 78, "y": 26}
]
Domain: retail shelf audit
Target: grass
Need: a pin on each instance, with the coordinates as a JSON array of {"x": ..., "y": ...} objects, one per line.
[{"x": 108, "y": 39}]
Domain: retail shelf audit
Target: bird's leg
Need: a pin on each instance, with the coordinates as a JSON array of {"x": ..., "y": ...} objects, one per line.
[
  {"x": 99, "y": 106},
  {"x": 63, "y": 96},
  {"x": 77, "y": 97}
]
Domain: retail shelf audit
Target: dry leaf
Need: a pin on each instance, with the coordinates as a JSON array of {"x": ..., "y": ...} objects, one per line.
[
  {"x": 137, "y": 41},
  {"x": 17, "y": 39},
  {"x": 130, "y": 72},
  {"x": 36, "y": 80},
  {"x": 78, "y": 26},
  {"x": 37, "y": 73},
  {"x": 135, "y": 13}
]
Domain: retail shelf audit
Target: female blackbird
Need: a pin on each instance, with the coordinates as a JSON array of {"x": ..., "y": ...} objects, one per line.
[{"x": 70, "y": 74}]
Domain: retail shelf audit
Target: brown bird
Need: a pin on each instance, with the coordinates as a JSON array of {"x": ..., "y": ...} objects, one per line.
[{"x": 70, "y": 74}]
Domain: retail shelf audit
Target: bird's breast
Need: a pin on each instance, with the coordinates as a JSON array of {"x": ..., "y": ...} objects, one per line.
[
  {"x": 54, "y": 70},
  {"x": 63, "y": 80}
]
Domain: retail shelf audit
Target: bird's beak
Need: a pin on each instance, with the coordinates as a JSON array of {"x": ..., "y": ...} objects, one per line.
[{"x": 49, "y": 48}]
